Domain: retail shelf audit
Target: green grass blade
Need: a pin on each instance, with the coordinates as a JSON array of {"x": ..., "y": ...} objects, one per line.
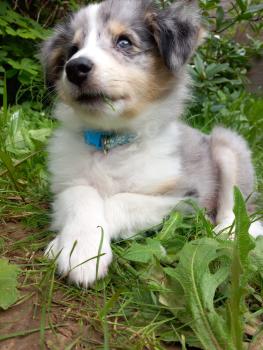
[
  {"x": 7, "y": 161},
  {"x": 25, "y": 333}
]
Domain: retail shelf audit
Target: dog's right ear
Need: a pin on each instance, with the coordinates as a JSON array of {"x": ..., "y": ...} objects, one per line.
[
  {"x": 176, "y": 31},
  {"x": 54, "y": 52}
]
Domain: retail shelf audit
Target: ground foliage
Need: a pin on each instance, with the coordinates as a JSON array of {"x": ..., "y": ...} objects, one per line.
[{"x": 188, "y": 286}]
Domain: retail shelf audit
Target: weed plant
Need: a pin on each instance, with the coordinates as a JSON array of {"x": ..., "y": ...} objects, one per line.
[{"x": 177, "y": 283}]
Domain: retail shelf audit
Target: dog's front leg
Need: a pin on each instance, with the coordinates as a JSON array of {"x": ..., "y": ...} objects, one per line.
[
  {"x": 82, "y": 247},
  {"x": 128, "y": 213}
]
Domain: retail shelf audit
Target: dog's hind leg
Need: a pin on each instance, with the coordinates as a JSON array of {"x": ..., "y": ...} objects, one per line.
[{"x": 232, "y": 158}]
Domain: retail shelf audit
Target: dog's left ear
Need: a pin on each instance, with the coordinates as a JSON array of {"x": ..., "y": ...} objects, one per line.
[{"x": 177, "y": 32}]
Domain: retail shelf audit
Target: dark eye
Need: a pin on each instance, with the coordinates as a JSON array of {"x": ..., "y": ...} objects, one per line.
[
  {"x": 72, "y": 50},
  {"x": 123, "y": 42}
]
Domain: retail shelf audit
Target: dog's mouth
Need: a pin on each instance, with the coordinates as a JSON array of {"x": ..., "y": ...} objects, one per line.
[{"x": 96, "y": 98}]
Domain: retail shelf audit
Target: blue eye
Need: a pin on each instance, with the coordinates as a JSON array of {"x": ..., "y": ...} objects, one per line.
[{"x": 123, "y": 42}]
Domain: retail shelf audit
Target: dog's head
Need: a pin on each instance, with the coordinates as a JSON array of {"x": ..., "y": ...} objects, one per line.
[{"x": 119, "y": 56}]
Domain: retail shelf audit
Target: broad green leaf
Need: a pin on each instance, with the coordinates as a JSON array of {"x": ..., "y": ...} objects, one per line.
[
  {"x": 199, "y": 285},
  {"x": 170, "y": 226},
  {"x": 220, "y": 14},
  {"x": 239, "y": 270},
  {"x": 40, "y": 135},
  {"x": 3, "y": 22},
  {"x": 255, "y": 8},
  {"x": 213, "y": 69},
  {"x": 220, "y": 81},
  {"x": 13, "y": 63},
  {"x": 244, "y": 241},
  {"x": 30, "y": 34},
  {"x": 8, "y": 284},
  {"x": 144, "y": 252},
  {"x": 11, "y": 31}
]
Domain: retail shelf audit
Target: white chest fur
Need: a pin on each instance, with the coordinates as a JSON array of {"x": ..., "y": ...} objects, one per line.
[{"x": 149, "y": 166}]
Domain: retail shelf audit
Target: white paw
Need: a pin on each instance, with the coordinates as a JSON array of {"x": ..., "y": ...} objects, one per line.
[
  {"x": 226, "y": 226},
  {"x": 256, "y": 229},
  {"x": 77, "y": 256}
]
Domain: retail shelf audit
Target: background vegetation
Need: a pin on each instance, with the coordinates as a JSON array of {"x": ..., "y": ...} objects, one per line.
[{"x": 206, "y": 291}]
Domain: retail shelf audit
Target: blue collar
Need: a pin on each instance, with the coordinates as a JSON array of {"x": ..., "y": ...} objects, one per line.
[{"x": 106, "y": 140}]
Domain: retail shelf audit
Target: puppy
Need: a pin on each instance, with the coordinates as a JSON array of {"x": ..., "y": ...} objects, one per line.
[{"x": 121, "y": 159}]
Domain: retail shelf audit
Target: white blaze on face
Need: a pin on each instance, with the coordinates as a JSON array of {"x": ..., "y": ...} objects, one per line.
[
  {"x": 90, "y": 47},
  {"x": 91, "y": 40}
]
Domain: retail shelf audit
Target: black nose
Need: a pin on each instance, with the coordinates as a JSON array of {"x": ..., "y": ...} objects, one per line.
[{"x": 78, "y": 70}]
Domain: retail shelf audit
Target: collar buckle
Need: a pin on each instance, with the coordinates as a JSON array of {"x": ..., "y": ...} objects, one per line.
[{"x": 105, "y": 141}]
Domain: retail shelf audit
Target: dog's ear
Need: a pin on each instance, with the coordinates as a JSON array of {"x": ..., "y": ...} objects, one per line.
[
  {"x": 54, "y": 52},
  {"x": 177, "y": 32}
]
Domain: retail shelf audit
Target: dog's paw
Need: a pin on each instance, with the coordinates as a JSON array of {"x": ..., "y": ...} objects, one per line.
[
  {"x": 79, "y": 259},
  {"x": 256, "y": 229},
  {"x": 227, "y": 227}
]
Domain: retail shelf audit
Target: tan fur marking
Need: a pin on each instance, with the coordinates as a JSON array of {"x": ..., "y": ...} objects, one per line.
[
  {"x": 155, "y": 85},
  {"x": 54, "y": 56},
  {"x": 78, "y": 37},
  {"x": 54, "y": 62},
  {"x": 117, "y": 28},
  {"x": 168, "y": 186}
]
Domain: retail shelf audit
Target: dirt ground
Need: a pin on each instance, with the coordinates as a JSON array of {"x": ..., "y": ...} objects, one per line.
[{"x": 25, "y": 316}]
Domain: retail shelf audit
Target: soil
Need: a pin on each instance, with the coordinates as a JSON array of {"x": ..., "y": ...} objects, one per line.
[{"x": 26, "y": 314}]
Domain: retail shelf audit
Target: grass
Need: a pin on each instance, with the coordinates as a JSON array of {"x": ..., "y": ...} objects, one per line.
[
  {"x": 205, "y": 290},
  {"x": 113, "y": 311}
]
